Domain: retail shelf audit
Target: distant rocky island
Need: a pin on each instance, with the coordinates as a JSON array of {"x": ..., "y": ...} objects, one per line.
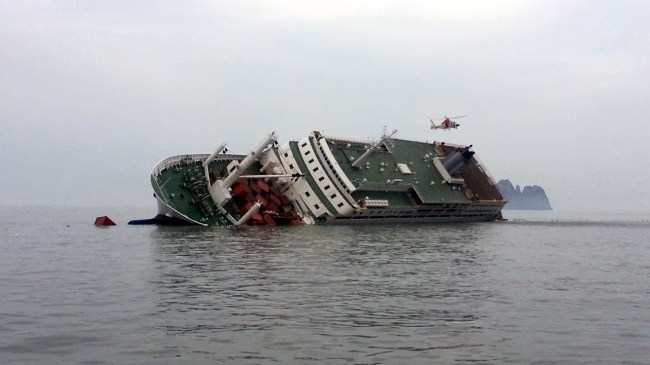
[{"x": 528, "y": 198}]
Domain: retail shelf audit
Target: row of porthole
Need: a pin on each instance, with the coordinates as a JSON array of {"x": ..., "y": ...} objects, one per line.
[
  {"x": 333, "y": 169},
  {"x": 311, "y": 161},
  {"x": 412, "y": 217},
  {"x": 320, "y": 179}
]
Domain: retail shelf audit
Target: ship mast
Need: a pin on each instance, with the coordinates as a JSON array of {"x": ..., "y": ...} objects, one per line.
[{"x": 220, "y": 190}]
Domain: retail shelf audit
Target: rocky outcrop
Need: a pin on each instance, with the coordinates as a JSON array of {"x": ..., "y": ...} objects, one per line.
[{"x": 528, "y": 198}]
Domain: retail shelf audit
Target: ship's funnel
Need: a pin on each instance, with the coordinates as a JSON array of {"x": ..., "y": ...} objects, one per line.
[
  {"x": 467, "y": 154},
  {"x": 457, "y": 159}
]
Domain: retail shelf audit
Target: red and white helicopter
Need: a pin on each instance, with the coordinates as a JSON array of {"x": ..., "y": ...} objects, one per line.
[{"x": 447, "y": 123}]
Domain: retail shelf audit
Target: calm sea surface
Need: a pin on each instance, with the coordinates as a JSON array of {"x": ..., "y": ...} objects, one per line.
[{"x": 538, "y": 289}]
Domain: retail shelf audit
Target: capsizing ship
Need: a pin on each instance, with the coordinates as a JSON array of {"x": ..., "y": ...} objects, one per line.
[{"x": 328, "y": 180}]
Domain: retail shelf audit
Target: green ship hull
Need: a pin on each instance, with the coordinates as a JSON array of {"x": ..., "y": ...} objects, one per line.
[{"x": 328, "y": 180}]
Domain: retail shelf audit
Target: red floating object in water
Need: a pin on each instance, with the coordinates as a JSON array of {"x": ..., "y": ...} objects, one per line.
[{"x": 104, "y": 221}]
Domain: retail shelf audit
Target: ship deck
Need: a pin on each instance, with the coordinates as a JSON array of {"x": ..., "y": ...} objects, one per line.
[{"x": 380, "y": 178}]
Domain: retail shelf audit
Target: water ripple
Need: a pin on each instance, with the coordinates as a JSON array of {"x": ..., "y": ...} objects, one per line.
[{"x": 520, "y": 292}]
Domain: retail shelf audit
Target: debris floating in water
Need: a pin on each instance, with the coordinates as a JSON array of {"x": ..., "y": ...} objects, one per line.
[{"x": 104, "y": 221}]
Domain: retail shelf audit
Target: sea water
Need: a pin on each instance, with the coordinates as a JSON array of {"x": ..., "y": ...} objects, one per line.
[{"x": 537, "y": 289}]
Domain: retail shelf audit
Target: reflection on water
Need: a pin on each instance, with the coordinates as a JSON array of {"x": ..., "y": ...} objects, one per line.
[{"x": 373, "y": 293}]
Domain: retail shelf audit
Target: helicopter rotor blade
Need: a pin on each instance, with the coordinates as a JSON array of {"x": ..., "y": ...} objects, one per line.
[{"x": 446, "y": 117}]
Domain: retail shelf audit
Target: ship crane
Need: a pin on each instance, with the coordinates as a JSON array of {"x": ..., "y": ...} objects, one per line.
[{"x": 220, "y": 190}]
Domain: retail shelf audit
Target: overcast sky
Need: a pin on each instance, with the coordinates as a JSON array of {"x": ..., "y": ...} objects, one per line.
[{"x": 93, "y": 94}]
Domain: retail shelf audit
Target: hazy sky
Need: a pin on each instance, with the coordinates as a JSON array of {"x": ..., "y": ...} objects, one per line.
[{"x": 93, "y": 94}]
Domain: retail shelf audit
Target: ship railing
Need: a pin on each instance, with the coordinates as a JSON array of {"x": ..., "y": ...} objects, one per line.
[
  {"x": 178, "y": 160},
  {"x": 446, "y": 144},
  {"x": 492, "y": 202},
  {"x": 376, "y": 203},
  {"x": 363, "y": 144},
  {"x": 346, "y": 140},
  {"x": 483, "y": 169},
  {"x": 158, "y": 188}
]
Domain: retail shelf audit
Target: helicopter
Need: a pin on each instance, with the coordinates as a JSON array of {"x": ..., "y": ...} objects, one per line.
[{"x": 447, "y": 123}]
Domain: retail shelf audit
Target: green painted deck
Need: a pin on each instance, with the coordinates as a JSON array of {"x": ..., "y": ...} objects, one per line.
[
  {"x": 371, "y": 179},
  {"x": 184, "y": 188}
]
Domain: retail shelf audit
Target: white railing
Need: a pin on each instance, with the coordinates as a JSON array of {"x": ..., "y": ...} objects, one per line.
[
  {"x": 195, "y": 157},
  {"x": 177, "y": 161}
]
